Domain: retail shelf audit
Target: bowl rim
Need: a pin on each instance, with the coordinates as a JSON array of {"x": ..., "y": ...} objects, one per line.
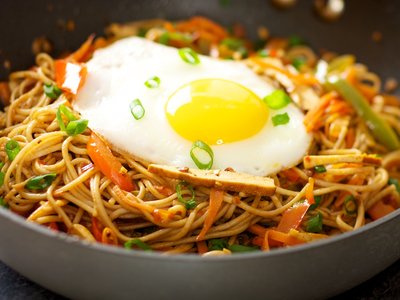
[{"x": 188, "y": 257}]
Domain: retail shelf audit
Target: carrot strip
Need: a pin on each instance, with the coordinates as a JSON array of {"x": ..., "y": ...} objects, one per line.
[
  {"x": 301, "y": 78},
  {"x": 84, "y": 51},
  {"x": 96, "y": 229},
  {"x": 107, "y": 163},
  {"x": 312, "y": 118},
  {"x": 202, "y": 247},
  {"x": 53, "y": 226},
  {"x": 284, "y": 238},
  {"x": 292, "y": 217},
  {"x": 310, "y": 191},
  {"x": 265, "y": 244},
  {"x": 291, "y": 174},
  {"x": 216, "y": 199},
  {"x": 257, "y": 229},
  {"x": 379, "y": 210},
  {"x": 70, "y": 76}
]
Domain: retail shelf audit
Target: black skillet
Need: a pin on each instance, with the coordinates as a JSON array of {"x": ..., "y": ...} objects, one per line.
[{"x": 319, "y": 270}]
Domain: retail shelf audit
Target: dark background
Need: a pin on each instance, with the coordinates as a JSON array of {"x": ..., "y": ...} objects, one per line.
[{"x": 20, "y": 24}]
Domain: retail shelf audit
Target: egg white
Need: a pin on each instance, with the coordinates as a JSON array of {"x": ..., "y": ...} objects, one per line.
[{"x": 116, "y": 76}]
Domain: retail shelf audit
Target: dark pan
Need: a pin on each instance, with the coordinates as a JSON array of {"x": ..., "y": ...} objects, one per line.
[{"x": 79, "y": 270}]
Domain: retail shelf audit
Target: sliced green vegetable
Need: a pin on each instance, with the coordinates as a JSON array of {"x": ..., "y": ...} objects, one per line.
[
  {"x": 153, "y": 82},
  {"x": 189, "y": 203},
  {"x": 277, "y": 99},
  {"x": 3, "y": 203},
  {"x": 350, "y": 205},
  {"x": 341, "y": 63},
  {"x": 217, "y": 244},
  {"x": 40, "y": 182},
  {"x": 137, "y": 109},
  {"x": 263, "y": 53},
  {"x": 52, "y": 91},
  {"x": 314, "y": 224},
  {"x": 317, "y": 200},
  {"x": 12, "y": 149},
  {"x": 202, "y": 155},
  {"x": 189, "y": 56},
  {"x": 232, "y": 43},
  {"x": 298, "y": 63},
  {"x": 395, "y": 182},
  {"x": 142, "y": 32},
  {"x": 2, "y": 175},
  {"x": 280, "y": 119},
  {"x": 378, "y": 126},
  {"x": 320, "y": 169},
  {"x": 137, "y": 242},
  {"x": 241, "y": 248},
  {"x": 76, "y": 127}
]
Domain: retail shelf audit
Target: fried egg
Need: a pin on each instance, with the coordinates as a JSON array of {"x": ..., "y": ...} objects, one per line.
[{"x": 216, "y": 101}]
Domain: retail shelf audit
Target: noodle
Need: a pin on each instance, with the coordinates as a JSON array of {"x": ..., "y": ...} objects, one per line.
[{"x": 82, "y": 201}]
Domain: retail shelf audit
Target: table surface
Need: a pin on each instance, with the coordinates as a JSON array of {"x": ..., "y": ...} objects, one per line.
[{"x": 385, "y": 285}]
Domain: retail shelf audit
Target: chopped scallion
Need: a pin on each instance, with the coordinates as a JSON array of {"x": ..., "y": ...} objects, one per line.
[
  {"x": 217, "y": 244},
  {"x": 190, "y": 203},
  {"x": 298, "y": 63},
  {"x": 51, "y": 91},
  {"x": 295, "y": 40},
  {"x": 350, "y": 205},
  {"x": 277, "y": 99},
  {"x": 263, "y": 53},
  {"x": 12, "y": 149},
  {"x": 280, "y": 119},
  {"x": 137, "y": 109},
  {"x": 76, "y": 127},
  {"x": 232, "y": 43},
  {"x": 153, "y": 82},
  {"x": 202, "y": 155},
  {"x": 40, "y": 182},
  {"x": 189, "y": 56},
  {"x": 314, "y": 224},
  {"x": 137, "y": 242},
  {"x": 2, "y": 174},
  {"x": 317, "y": 200},
  {"x": 320, "y": 169}
]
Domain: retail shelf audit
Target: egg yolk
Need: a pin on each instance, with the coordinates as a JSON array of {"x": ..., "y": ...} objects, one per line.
[{"x": 215, "y": 111}]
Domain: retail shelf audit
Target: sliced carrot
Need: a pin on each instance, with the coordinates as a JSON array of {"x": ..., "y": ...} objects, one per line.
[
  {"x": 265, "y": 244},
  {"x": 70, "y": 76},
  {"x": 257, "y": 229},
  {"x": 107, "y": 163},
  {"x": 53, "y": 226},
  {"x": 350, "y": 138},
  {"x": 291, "y": 174},
  {"x": 379, "y": 210},
  {"x": 165, "y": 190},
  {"x": 292, "y": 217},
  {"x": 202, "y": 247},
  {"x": 5, "y": 93},
  {"x": 312, "y": 120},
  {"x": 96, "y": 229},
  {"x": 284, "y": 238},
  {"x": 84, "y": 51},
  {"x": 216, "y": 199},
  {"x": 310, "y": 191},
  {"x": 109, "y": 237}
]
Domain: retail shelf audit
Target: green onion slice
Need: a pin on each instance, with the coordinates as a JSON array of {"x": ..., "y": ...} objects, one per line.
[
  {"x": 189, "y": 56},
  {"x": 317, "y": 200},
  {"x": 3, "y": 203},
  {"x": 320, "y": 169},
  {"x": 153, "y": 82},
  {"x": 12, "y": 149},
  {"x": 137, "y": 109},
  {"x": 395, "y": 182},
  {"x": 298, "y": 63},
  {"x": 2, "y": 175},
  {"x": 277, "y": 99},
  {"x": 280, "y": 119},
  {"x": 63, "y": 110},
  {"x": 202, "y": 155},
  {"x": 232, "y": 43},
  {"x": 191, "y": 203},
  {"x": 51, "y": 91},
  {"x": 40, "y": 182},
  {"x": 137, "y": 242},
  {"x": 241, "y": 248},
  {"x": 263, "y": 53},
  {"x": 76, "y": 127},
  {"x": 217, "y": 244},
  {"x": 314, "y": 224},
  {"x": 350, "y": 205}
]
